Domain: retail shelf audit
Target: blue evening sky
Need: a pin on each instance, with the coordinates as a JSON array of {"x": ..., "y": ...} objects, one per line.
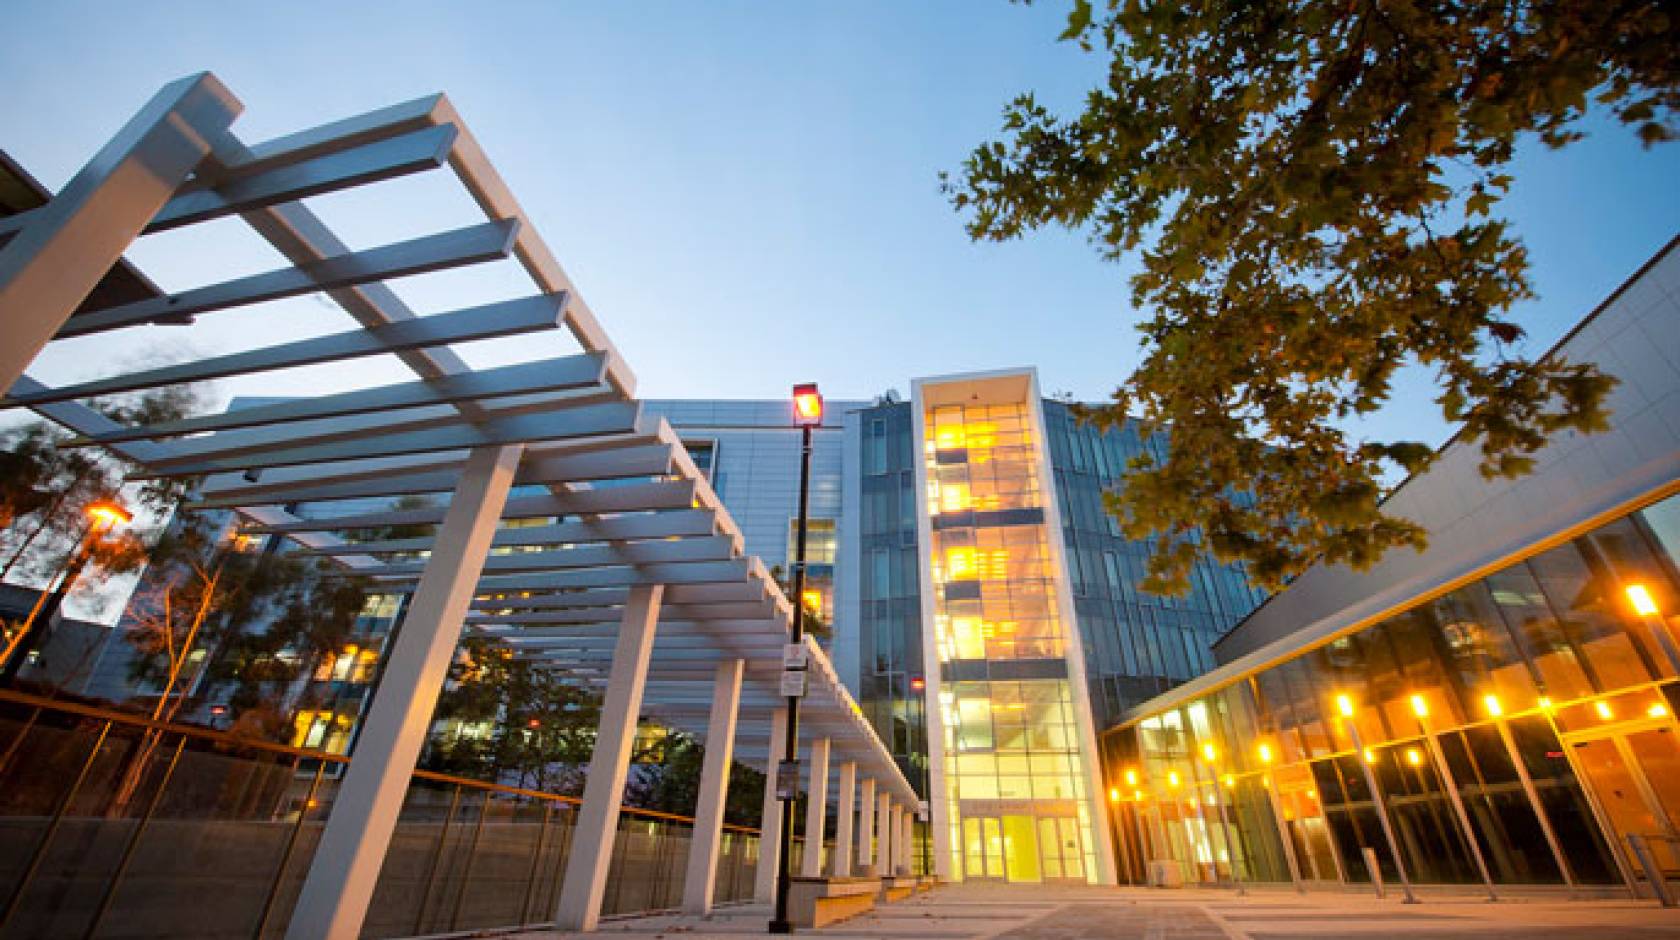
[{"x": 746, "y": 193}]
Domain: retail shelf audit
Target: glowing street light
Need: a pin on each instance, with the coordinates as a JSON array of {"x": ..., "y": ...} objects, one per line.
[
  {"x": 807, "y": 414},
  {"x": 103, "y": 516},
  {"x": 1491, "y": 703},
  {"x": 807, "y": 405},
  {"x": 109, "y": 513}
]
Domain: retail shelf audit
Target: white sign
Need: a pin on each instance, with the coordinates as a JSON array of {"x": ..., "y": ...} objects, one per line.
[
  {"x": 795, "y": 656},
  {"x": 793, "y": 683}
]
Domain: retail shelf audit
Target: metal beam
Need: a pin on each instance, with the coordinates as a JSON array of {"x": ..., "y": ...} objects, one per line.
[
  {"x": 550, "y": 375},
  {"x": 471, "y": 245},
  {"x": 63, "y": 249},
  {"x": 491, "y": 321},
  {"x": 288, "y": 177},
  {"x": 376, "y": 441},
  {"x": 663, "y": 494}
]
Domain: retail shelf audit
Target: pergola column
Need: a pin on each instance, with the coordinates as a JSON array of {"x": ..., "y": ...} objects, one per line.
[
  {"x": 883, "y": 834},
  {"x": 816, "y": 809},
  {"x": 840, "y": 864},
  {"x": 62, "y": 250},
  {"x": 906, "y": 836},
  {"x": 897, "y": 857},
  {"x": 335, "y": 894},
  {"x": 701, "y": 878},
  {"x": 597, "y": 826},
  {"x": 866, "y": 828},
  {"x": 770, "y": 825}
]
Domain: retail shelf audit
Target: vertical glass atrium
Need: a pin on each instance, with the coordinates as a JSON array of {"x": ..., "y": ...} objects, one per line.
[{"x": 1010, "y": 775}]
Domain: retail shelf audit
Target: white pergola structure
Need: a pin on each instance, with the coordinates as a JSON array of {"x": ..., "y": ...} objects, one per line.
[{"x": 623, "y": 569}]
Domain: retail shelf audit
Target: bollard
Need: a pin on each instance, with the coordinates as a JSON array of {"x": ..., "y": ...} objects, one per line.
[
  {"x": 1372, "y": 866},
  {"x": 1653, "y": 871}
]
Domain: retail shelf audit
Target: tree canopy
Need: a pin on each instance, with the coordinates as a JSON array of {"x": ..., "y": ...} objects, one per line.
[{"x": 1313, "y": 188}]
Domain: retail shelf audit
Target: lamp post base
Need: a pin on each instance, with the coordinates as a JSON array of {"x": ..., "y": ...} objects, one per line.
[{"x": 780, "y": 926}]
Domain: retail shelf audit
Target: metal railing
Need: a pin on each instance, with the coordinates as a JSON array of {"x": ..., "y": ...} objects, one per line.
[{"x": 113, "y": 825}]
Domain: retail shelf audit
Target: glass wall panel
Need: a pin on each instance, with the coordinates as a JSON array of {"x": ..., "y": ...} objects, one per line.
[{"x": 1562, "y": 664}]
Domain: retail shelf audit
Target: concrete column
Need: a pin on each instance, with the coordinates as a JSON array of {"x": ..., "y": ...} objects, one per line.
[
  {"x": 883, "y": 834},
  {"x": 907, "y": 829},
  {"x": 335, "y": 894},
  {"x": 770, "y": 828},
  {"x": 840, "y": 865},
  {"x": 895, "y": 860},
  {"x": 597, "y": 826},
  {"x": 816, "y": 810},
  {"x": 701, "y": 877},
  {"x": 61, "y": 250},
  {"x": 866, "y": 828}
]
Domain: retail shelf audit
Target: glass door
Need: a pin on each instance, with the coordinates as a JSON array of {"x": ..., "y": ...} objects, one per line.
[
  {"x": 1059, "y": 841},
  {"x": 983, "y": 848},
  {"x": 1635, "y": 779}
]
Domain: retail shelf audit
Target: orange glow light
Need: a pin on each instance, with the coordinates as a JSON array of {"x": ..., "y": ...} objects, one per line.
[
  {"x": 111, "y": 514},
  {"x": 1604, "y": 711},
  {"x": 807, "y": 404},
  {"x": 1420, "y": 706},
  {"x": 1265, "y": 753},
  {"x": 1643, "y": 604}
]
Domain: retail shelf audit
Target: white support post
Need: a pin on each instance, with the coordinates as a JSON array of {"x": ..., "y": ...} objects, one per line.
[
  {"x": 816, "y": 809},
  {"x": 897, "y": 865},
  {"x": 884, "y": 837},
  {"x": 840, "y": 865},
  {"x": 62, "y": 250},
  {"x": 335, "y": 894},
  {"x": 701, "y": 877},
  {"x": 592, "y": 841},
  {"x": 906, "y": 836},
  {"x": 866, "y": 828},
  {"x": 770, "y": 826}
]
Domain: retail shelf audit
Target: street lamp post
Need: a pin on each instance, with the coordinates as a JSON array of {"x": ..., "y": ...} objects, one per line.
[
  {"x": 807, "y": 414},
  {"x": 104, "y": 515}
]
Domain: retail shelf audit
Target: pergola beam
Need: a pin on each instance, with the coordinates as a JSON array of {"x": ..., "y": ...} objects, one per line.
[{"x": 474, "y": 244}]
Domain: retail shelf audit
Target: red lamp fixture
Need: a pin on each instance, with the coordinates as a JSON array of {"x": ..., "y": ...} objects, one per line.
[{"x": 807, "y": 405}]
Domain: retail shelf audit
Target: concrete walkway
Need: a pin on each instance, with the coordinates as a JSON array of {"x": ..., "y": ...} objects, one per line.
[{"x": 1035, "y": 912}]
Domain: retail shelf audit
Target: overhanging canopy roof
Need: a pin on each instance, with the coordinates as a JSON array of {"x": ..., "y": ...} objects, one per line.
[{"x": 606, "y": 497}]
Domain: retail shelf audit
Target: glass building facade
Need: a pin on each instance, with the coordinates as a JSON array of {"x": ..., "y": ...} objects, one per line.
[
  {"x": 981, "y": 548},
  {"x": 891, "y": 673},
  {"x": 1011, "y": 749},
  {"x": 1137, "y": 645},
  {"x": 1518, "y": 728}
]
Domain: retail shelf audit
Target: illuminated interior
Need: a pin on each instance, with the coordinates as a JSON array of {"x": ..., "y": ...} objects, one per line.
[{"x": 1013, "y": 779}]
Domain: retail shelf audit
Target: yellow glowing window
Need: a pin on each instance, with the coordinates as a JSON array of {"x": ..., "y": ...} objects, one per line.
[
  {"x": 968, "y": 636},
  {"x": 961, "y": 563},
  {"x": 953, "y": 497},
  {"x": 948, "y": 438}
]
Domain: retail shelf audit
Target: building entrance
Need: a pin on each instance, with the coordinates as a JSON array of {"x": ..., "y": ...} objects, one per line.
[
  {"x": 1633, "y": 775},
  {"x": 1022, "y": 849}
]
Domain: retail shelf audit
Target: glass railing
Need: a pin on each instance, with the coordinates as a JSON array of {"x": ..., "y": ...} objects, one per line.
[{"x": 112, "y": 825}]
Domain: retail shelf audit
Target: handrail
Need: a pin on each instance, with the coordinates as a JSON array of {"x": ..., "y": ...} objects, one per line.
[{"x": 235, "y": 740}]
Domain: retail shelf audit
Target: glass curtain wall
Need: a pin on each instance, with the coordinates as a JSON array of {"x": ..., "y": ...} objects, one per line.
[
  {"x": 1542, "y": 695},
  {"x": 1011, "y": 749}
]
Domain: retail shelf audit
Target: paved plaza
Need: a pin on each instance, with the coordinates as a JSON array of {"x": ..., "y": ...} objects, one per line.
[{"x": 1071, "y": 913}]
